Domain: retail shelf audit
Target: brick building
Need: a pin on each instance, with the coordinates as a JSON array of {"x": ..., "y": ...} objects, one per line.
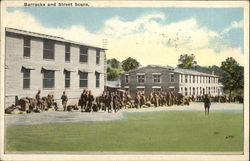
[
  {"x": 52, "y": 64},
  {"x": 161, "y": 78}
]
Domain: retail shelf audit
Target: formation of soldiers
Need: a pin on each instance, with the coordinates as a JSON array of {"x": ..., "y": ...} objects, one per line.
[{"x": 113, "y": 101}]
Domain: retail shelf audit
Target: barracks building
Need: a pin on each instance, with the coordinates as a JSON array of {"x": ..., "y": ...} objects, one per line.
[
  {"x": 35, "y": 61},
  {"x": 166, "y": 78}
]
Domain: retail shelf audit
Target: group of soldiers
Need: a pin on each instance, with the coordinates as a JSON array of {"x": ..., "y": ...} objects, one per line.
[
  {"x": 112, "y": 101},
  {"x": 217, "y": 98}
]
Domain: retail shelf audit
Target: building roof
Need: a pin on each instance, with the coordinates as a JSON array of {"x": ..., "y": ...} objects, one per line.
[
  {"x": 40, "y": 35},
  {"x": 153, "y": 66},
  {"x": 175, "y": 70},
  {"x": 192, "y": 72}
]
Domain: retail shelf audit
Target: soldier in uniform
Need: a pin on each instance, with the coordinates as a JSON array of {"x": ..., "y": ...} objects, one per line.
[
  {"x": 90, "y": 99},
  {"x": 54, "y": 102},
  {"x": 38, "y": 99},
  {"x": 137, "y": 99},
  {"x": 64, "y": 99},
  {"x": 207, "y": 104},
  {"x": 83, "y": 100}
]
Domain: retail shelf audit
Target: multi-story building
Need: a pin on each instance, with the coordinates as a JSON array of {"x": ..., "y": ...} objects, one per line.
[
  {"x": 160, "y": 78},
  {"x": 35, "y": 61}
]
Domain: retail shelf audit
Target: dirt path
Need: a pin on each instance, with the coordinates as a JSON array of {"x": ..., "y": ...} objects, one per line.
[{"x": 77, "y": 116}]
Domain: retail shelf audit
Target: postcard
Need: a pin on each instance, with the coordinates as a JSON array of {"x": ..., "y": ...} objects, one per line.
[{"x": 117, "y": 80}]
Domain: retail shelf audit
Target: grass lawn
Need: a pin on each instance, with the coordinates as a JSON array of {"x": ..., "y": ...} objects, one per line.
[{"x": 157, "y": 131}]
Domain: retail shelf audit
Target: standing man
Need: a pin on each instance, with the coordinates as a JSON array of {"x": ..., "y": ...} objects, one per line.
[
  {"x": 38, "y": 99},
  {"x": 207, "y": 104},
  {"x": 64, "y": 100}
]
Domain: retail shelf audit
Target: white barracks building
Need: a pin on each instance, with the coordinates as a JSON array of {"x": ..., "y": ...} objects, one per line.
[{"x": 35, "y": 61}]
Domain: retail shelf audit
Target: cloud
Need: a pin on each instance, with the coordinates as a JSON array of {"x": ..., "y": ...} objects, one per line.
[
  {"x": 233, "y": 25},
  {"x": 149, "y": 39}
]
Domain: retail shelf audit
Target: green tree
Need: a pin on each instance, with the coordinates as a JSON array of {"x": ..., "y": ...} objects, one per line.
[
  {"x": 232, "y": 75},
  {"x": 114, "y": 63},
  {"x": 129, "y": 64},
  {"x": 112, "y": 74},
  {"x": 186, "y": 61}
]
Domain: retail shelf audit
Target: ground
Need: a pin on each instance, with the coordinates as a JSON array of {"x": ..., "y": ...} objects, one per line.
[{"x": 177, "y": 128}]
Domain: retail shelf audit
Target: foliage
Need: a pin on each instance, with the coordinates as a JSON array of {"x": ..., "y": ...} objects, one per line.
[
  {"x": 186, "y": 61},
  {"x": 114, "y": 63},
  {"x": 151, "y": 131},
  {"x": 112, "y": 74},
  {"x": 130, "y": 64},
  {"x": 232, "y": 75}
]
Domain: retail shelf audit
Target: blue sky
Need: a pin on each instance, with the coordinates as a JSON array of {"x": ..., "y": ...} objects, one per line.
[{"x": 223, "y": 21}]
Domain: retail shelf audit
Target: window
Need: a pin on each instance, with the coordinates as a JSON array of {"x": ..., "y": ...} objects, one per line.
[
  {"x": 140, "y": 78},
  {"x": 156, "y": 78},
  {"x": 197, "y": 79},
  {"x": 67, "y": 52},
  {"x": 193, "y": 91},
  {"x": 26, "y": 78},
  {"x": 98, "y": 56},
  {"x": 193, "y": 79},
  {"x": 83, "y": 79},
  {"x": 67, "y": 78},
  {"x": 204, "y": 79},
  {"x": 172, "y": 77},
  {"x": 200, "y": 79},
  {"x": 48, "y": 79},
  {"x": 97, "y": 79},
  {"x": 186, "y": 91},
  {"x": 83, "y": 54},
  {"x": 26, "y": 46},
  {"x": 126, "y": 78},
  {"x": 190, "y": 91},
  {"x": 48, "y": 49},
  {"x": 209, "y": 80},
  {"x": 181, "y": 78},
  {"x": 186, "y": 79}
]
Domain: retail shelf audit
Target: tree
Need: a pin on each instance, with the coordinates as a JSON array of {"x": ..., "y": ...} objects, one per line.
[
  {"x": 112, "y": 74},
  {"x": 232, "y": 75},
  {"x": 130, "y": 64},
  {"x": 186, "y": 61},
  {"x": 114, "y": 63}
]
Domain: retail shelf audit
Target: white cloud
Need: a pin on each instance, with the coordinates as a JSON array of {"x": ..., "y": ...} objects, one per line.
[
  {"x": 146, "y": 38},
  {"x": 233, "y": 25}
]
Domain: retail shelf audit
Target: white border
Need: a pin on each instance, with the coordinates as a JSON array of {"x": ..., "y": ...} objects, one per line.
[{"x": 147, "y": 156}]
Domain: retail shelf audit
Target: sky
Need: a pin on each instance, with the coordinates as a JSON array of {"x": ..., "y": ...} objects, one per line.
[{"x": 157, "y": 35}]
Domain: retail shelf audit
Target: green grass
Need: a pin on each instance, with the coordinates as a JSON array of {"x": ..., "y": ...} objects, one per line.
[{"x": 158, "y": 131}]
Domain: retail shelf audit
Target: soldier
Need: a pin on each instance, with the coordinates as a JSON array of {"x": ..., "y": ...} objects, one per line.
[
  {"x": 114, "y": 101},
  {"x": 38, "y": 99},
  {"x": 137, "y": 99},
  {"x": 83, "y": 100},
  {"x": 64, "y": 99},
  {"x": 107, "y": 101},
  {"x": 49, "y": 98},
  {"x": 90, "y": 99},
  {"x": 207, "y": 104},
  {"x": 54, "y": 102}
]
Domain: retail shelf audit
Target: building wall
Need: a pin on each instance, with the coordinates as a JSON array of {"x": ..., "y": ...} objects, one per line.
[
  {"x": 193, "y": 88},
  {"x": 199, "y": 87},
  {"x": 165, "y": 83},
  {"x": 14, "y": 60}
]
